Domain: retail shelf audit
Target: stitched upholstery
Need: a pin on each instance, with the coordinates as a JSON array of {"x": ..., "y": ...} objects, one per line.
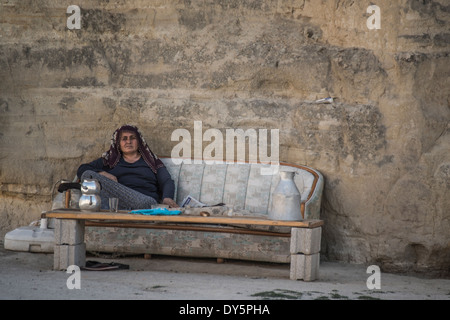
[{"x": 242, "y": 186}]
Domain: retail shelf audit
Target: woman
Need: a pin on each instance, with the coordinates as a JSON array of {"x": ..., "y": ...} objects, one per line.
[{"x": 131, "y": 172}]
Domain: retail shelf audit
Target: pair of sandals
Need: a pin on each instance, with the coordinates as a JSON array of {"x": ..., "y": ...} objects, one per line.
[{"x": 102, "y": 266}]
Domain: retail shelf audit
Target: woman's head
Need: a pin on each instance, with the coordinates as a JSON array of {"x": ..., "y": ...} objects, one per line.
[
  {"x": 127, "y": 139},
  {"x": 128, "y": 142}
]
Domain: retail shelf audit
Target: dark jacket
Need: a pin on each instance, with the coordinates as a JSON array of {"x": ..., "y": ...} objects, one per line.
[{"x": 137, "y": 176}]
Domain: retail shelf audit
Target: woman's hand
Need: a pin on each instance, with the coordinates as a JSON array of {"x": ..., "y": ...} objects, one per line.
[
  {"x": 170, "y": 202},
  {"x": 108, "y": 175}
]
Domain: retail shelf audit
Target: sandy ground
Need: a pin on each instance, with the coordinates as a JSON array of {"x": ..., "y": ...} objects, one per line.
[{"x": 26, "y": 275}]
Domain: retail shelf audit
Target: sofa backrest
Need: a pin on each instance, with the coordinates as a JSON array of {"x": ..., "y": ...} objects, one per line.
[{"x": 242, "y": 184}]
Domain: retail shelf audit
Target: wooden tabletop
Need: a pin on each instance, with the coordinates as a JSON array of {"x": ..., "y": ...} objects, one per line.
[{"x": 181, "y": 218}]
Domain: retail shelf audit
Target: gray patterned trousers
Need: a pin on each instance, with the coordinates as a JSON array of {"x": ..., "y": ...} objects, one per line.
[{"x": 129, "y": 199}]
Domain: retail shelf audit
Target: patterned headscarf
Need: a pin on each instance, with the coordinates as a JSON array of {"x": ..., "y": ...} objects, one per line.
[{"x": 112, "y": 156}]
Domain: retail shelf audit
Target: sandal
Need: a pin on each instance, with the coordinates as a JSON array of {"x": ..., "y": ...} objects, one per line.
[{"x": 100, "y": 266}]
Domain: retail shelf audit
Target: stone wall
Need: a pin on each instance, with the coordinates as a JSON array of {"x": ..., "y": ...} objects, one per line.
[{"x": 383, "y": 145}]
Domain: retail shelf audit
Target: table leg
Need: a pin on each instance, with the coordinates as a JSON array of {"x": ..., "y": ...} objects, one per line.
[
  {"x": 305, "y": 253},
  {"x": 70, "y": 248}
]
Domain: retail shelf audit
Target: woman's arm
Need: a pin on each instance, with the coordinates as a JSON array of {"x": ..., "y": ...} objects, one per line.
[
  {"x": 96, "y": 166},
  {"x": 167, "y": 186},
  {"x": 170, "y": 202}
]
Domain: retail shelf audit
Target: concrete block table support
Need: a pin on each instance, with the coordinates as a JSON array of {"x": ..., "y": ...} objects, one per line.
[
  {"x": 304, "y": 247},
  {"x": 70, "y": 248},
  {"x": 305, "y": 253}
]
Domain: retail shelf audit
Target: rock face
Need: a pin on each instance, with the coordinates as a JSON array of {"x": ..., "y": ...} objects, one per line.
[{"x": 382, "y": 145}]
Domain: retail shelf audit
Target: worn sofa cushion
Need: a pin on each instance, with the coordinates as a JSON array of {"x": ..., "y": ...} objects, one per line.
[{"x": 242, "y": 185}]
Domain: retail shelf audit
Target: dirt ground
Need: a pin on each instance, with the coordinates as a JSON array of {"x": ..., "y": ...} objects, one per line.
[{"x": 26, "y": 275}]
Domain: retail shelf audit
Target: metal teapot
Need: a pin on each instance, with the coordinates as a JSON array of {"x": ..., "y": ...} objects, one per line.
[
  {"x": 90, "y": 199},
  {"x": 90, "y": 186}
]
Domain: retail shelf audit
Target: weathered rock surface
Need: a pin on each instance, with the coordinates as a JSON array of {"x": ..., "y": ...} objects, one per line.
[{"x": 383, "y": 145}]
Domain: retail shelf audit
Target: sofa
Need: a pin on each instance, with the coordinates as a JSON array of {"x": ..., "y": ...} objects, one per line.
[{"x": 243, "y": 187}]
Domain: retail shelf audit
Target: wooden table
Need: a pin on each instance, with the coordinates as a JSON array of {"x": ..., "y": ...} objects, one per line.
[{"x": 70, "y": 248}]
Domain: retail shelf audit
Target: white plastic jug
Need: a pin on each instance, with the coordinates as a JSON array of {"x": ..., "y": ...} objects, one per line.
[{"x": 286, "y": 199}]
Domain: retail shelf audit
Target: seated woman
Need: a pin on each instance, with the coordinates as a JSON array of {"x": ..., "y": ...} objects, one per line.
[{"x": 131, "y": 172}]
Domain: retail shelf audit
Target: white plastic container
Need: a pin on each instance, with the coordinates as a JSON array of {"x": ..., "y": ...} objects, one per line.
[
  {"x": 286, "y": 199},
  {"x": 30, "y": 239}
]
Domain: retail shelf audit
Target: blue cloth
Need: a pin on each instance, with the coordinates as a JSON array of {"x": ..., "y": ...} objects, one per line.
[{"x": 156, "y": 211}]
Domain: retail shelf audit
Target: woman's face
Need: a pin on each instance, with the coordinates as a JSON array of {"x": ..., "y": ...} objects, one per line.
[{"x": 128, "y": 142}]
